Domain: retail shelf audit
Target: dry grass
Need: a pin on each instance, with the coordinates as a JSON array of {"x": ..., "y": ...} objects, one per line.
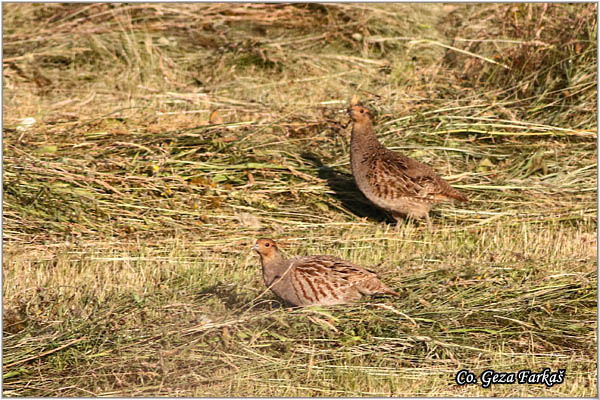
[{"x": 128, "y": 213}]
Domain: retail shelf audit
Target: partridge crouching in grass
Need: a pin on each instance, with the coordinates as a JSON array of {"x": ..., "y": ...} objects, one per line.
[
  {"x": 392, "y": 181},
  {"x": 311, "y": 280}
]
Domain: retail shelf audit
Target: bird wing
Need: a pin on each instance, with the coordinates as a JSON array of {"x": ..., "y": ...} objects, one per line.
[
  {"x": 353, "y": 277},
  {"x": 333, "y": 269},
  {"x": 396, "y": 175},
  {"x": 325, "y": 277},
  {"x": 319, "y": 277}
]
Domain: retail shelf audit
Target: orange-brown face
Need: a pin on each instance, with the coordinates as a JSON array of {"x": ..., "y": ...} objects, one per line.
[
  {"x": 265, "y": 247},
  {"x": 359, "y": 113}
]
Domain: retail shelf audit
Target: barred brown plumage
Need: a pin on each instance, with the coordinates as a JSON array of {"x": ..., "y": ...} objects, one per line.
[
  {"x": 392, "y": 181},
  {"x": 309, "y": 280}
]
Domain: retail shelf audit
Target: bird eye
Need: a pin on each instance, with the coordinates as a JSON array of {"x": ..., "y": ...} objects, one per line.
[
  {"x": 267, "y": 244},
  {"x": 362, "y": 111}
]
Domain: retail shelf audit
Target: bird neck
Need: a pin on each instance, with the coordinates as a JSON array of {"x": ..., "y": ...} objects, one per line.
[
  {"x": 363, "y": 136},
  {"x": 273, "y": 265}
]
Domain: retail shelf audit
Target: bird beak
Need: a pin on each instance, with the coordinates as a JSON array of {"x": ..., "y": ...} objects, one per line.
[{"x": 255, "y": 247}]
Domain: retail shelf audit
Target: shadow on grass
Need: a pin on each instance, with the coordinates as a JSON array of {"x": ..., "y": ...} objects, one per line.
[
  {"x": 347, "y": 193},
  {"x": 230, "y": 296}
]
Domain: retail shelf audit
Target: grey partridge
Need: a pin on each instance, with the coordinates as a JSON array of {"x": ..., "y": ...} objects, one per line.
[
  {"x": 312, "y": 280},
  {"x": 392, "y": 181}
]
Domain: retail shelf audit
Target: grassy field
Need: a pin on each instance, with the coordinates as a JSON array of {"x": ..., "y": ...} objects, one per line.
[{"x": 164, "y": 139}]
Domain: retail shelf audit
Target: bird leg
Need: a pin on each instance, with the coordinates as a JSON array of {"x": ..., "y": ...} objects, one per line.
[
  {"x": 399, "y": 219},
  {"x": 429, "y": 224}
]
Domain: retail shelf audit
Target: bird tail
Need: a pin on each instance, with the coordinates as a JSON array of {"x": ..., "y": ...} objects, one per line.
[
  {"x": 458, "y": 196},
  {"x": 447, "y": 192},
  {"x": 387, "y": 290}
]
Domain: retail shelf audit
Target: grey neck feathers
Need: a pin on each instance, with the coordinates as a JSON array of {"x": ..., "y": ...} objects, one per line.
[
  {"x": 364, "y": 139},
  {"x": 274, "y": 269}
]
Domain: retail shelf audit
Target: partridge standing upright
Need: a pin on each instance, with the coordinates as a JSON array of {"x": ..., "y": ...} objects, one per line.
[
  {"x": 392, "y": 181},
  {"x": 310, "y": 280}
]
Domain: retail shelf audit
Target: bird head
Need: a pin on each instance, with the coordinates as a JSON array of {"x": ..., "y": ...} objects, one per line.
[
  {"x": 360, "y": 113},
  {"x": 266, "y": 248}
]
